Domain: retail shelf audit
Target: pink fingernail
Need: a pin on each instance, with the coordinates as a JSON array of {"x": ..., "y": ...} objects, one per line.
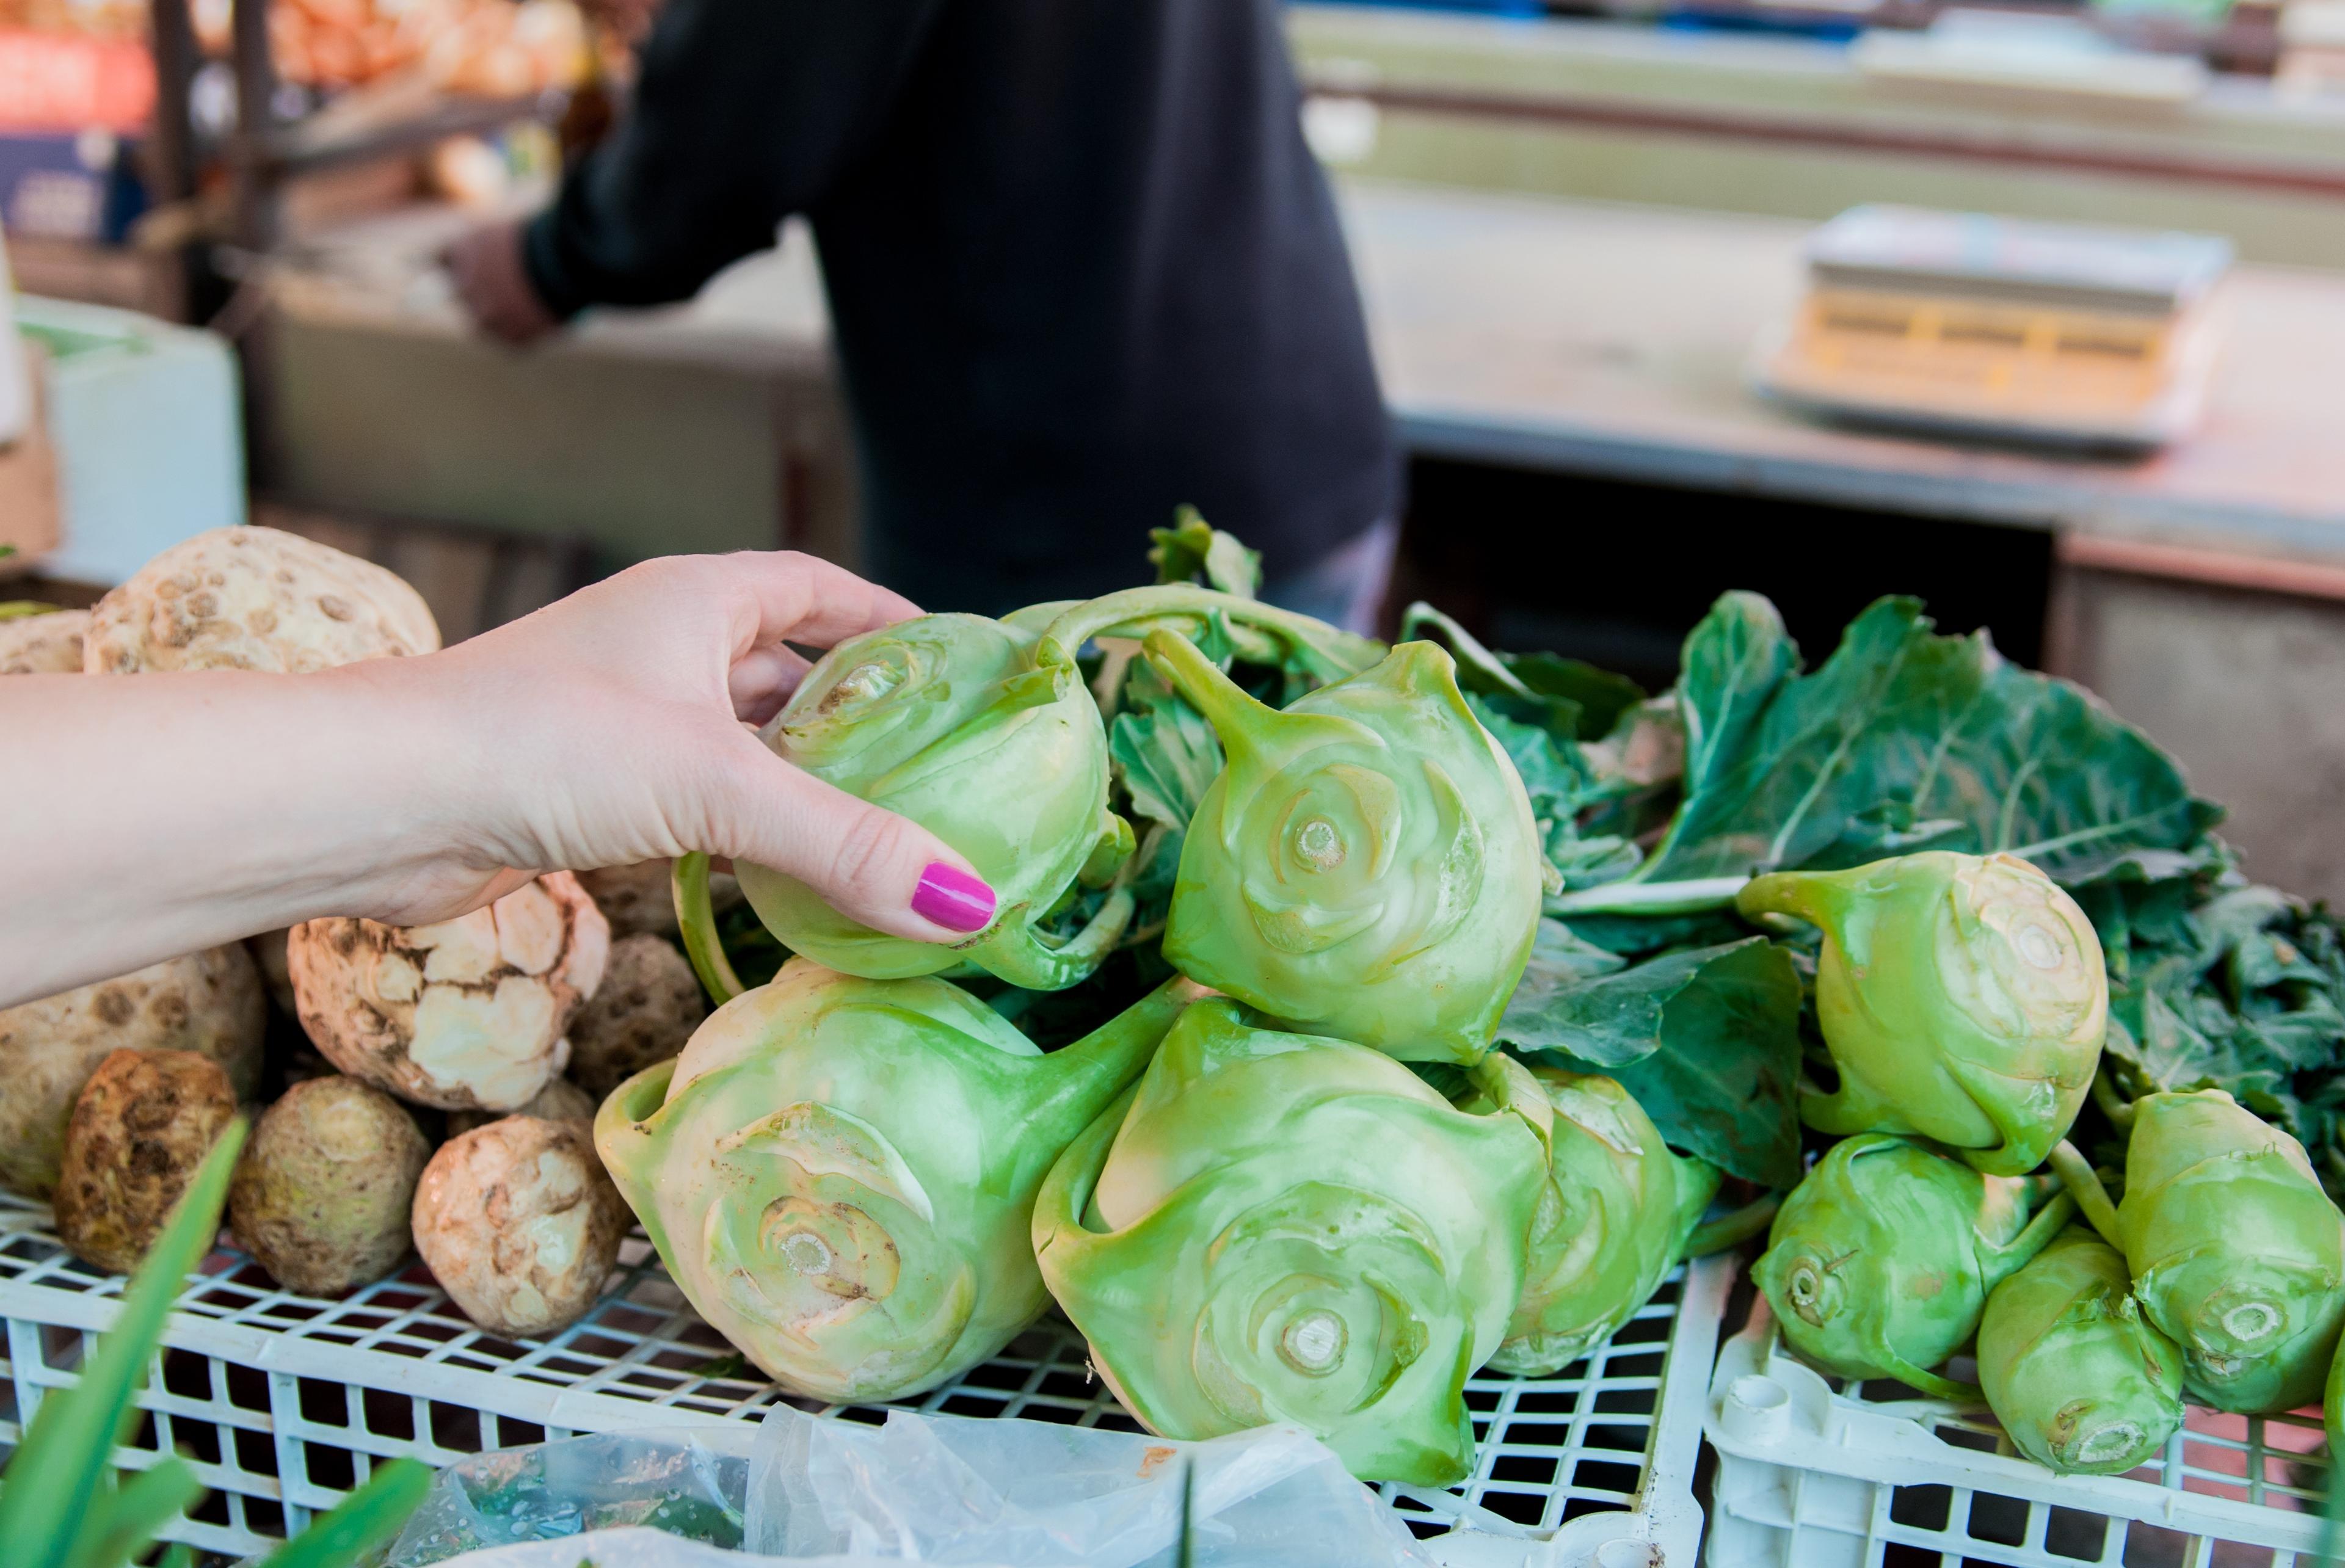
[{"x": 952, "y": 898}]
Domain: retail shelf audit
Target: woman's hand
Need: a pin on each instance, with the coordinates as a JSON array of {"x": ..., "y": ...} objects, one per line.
[
  {"x": 617, "y": 733},
  {"x": 154, "y": 814}
]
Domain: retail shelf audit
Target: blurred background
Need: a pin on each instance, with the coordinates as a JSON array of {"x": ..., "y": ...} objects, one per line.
[{"x": 2035, "y": 311}]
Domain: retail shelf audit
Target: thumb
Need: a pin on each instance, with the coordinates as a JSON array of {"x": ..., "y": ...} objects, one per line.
[{"x": 867, "y": 862}]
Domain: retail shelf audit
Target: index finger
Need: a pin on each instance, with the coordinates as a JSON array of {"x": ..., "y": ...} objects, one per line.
[{"x": 808, "y": 600}]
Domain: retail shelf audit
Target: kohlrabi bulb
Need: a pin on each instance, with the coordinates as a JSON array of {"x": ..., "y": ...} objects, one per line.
[
  {"x": 2075, "y": 1374},
  {"x": 1281, "y": 1229},
  {"x": 1879, "y": 1263},
  {"x": 840, "y": 1173},
  {"x": 1365, "y": 867},
  {"x": 951, "y": 721},
  {"x": 1615, "y": 1209},
  {"x": 1963, "y": 998},
  {"x": 2237, "y": 1253}
]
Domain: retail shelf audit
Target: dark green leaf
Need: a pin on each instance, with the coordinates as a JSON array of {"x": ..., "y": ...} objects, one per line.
[
  {"x": 1901, "y": 740},
  {"x": 1707, "y": 1039},
  {"x": 19, "y": 609},
  {"x": 1164, "y": 758}
]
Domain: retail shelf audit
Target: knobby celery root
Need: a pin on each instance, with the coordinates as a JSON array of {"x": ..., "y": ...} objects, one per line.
[
  {"x": 519, "y": 1224},
  {"x": 466, "y": 1015},
  {"x": 209, "y": 1003},
  {"x": 141, "y": 1126}
]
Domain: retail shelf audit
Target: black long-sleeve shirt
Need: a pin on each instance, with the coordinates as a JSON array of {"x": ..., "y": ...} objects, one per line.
[{"x": 1081, "y": 269}]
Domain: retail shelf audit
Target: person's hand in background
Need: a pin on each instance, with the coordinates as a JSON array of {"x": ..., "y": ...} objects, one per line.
[
  {"x": 491, "y": 282},
  {"x": 162, "y": 814}
]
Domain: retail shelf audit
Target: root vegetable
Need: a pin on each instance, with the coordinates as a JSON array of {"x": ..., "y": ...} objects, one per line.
[
  {"x": 209, "y": 1003},
  {"x": 322, "y": 1194},
  {"x": 246, "y": 597},
  {"x": 642, "y": 898},
  {"x": 142, "y": 1123},
  {"x": 559, "y": 1100},
  {"x": 646, "y": 1009},
  {"x": 466, "y": 1015},
  {"x": 47, "y": 644},
  {"x": 519, "y": 1224}
]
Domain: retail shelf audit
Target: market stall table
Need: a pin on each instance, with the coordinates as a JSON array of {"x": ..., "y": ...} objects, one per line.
[{"x": 2200, "y": 591}]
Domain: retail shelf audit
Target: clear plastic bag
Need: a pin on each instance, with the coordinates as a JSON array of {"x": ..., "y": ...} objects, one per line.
[{"x": 944, "y": 1490}]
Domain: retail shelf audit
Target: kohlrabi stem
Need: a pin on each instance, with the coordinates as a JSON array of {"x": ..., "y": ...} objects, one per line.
[
  {"x": 1732, "y": 1228},
  {"x": 1183, "y": 607},
  {"x": 2113, "y": 1105},
  {"x": 696, "y": 919},
  {"x": 2085, "y": 1185},
  {"x": 1696, "y": 895},
  {"x": 1224, "y": 703},
  {"x": 1463, "y": 644}
]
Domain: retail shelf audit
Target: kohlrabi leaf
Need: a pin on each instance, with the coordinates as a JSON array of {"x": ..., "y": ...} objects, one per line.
[
  {"x": 1707, "y": 1039},
  {"x": 1193, "y": 548},
  {"x": 1569, "y": 699},
  {"x": 1563, "y": 786},
  {"x": 2228, "y": 987},
  {"x": 1164, "y": 758},
  {"x": 1905, "y": 740}
]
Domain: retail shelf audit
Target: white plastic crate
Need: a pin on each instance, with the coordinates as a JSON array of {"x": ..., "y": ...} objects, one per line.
[
  {"x": 1816, "y": 1473},
  {"x": 285, "y": 1402}
]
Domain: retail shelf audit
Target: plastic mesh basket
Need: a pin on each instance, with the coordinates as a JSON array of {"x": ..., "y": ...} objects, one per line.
[
  {"x": 1822, "y": 1473},
  {"x": 284, "y": 1402}
]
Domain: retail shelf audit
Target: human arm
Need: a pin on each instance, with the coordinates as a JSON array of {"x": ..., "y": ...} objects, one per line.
[
  {"x": 743, "y": 112},
  {"x": 154, "y": 814}
]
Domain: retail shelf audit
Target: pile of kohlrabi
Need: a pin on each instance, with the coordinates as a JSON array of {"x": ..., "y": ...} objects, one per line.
[{"x": 1354, "y": 1018}]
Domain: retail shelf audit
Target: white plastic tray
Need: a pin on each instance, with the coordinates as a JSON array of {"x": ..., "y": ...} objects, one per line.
[
  {"x": 1819, "y": 1474},
  {"x": 284, "y": 1401}
]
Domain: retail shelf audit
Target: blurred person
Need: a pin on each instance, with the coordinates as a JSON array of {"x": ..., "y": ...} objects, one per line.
[{"x": 1081, "y": 269}]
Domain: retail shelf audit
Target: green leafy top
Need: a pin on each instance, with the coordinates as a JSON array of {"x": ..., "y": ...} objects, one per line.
[{"x": 1193, "y": 550}]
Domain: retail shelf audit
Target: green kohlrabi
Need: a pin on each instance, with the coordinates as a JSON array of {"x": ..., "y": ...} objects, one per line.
[
  {"x": 985, "y": 733},
  {"x": 840, "y": 1173},
  {"x": 2237, "y": 1253},
  {"x": 1365, "y": 867},
  {"x": 2075, "y": 1374},
  {"x": 1278, "y": 1228},
  {"x": 1616, "y": 1209},
  {"x": 1963, "y": 998},
  {"x": 1881, "y": 1261},
  {"x": 951, "y": 721}
]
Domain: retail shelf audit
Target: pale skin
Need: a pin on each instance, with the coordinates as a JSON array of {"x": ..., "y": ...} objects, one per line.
[{"x": 151, "y": 815}]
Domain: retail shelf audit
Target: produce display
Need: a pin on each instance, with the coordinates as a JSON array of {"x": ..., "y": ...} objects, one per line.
[
  {"x": 1881, "y": 1262},
  {"x": 840, "y": 1172},
  {"x": 320, "y": 1197},
  {"x": 41, "y": 641},
  {"x": 1352, "y": 1018},
  {"x": 2081, "y": 1381},
  {"x": 2237, "y": 1253},
  {"x": 209, "y": 1003},
  {"x": 1618, "y": 1212},
  {"x": 1963, "y": 1000},
  {"x": 519, "y": 1224},
  {"x": 468, "y": 1014},
  {"x": 1276, "y": 1228},
  {"x": 142, "y": 1125}
]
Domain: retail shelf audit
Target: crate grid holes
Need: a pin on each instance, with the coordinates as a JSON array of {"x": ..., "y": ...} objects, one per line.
[{"x": 1549, "y": 1449}]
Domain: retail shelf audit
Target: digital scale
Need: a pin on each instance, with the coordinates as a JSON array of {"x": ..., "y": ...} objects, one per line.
[{"x": 1965, "y": 325}]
